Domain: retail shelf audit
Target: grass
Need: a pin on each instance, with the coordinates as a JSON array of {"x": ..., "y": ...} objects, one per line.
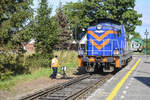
[
  {"x": 66, "y": 58},
  {"x": 8, "y": 84}
]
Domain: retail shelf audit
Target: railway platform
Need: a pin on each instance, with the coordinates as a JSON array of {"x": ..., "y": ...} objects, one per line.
[{"x": 131, "y": 83}]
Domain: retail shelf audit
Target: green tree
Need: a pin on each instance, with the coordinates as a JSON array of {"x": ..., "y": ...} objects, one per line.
[
  {"x": 65, "y": 33},
  {"x": 14, "y": 17},
  {"x": 85, "y": 12},
  {"x": 136, "y": 35},
  {"x": 45, "y": 30}
]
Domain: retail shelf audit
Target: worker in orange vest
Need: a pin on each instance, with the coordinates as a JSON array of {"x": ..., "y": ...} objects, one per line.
[{"x": 54, "y": 66}]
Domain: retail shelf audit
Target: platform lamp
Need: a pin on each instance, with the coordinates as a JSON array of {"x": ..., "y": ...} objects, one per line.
[{"x": 146, "y": 33}]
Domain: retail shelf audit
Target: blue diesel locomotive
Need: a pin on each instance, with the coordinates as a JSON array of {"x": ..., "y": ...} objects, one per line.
[{"x": 106, "y": 48}]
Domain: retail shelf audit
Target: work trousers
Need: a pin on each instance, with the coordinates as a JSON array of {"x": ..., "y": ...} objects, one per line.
[{"x": 53, "y": 75}]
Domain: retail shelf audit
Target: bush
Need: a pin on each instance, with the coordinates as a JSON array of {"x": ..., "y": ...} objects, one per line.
[
  {"x": 11, "y": 64},
  {"x": 36, "y": 61},
  {"x": 67, "y": 58},
  {"x": 16, "y": 64}
]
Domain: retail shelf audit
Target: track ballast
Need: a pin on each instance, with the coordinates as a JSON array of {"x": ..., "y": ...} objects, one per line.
[{"x": 77, "y": 88}]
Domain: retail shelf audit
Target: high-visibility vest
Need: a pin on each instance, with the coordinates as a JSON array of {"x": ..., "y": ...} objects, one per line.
[{"x": 54, "y": 62}]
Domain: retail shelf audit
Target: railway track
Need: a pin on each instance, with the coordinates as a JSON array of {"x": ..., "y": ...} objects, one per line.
[{"x": 77, "y": 88}]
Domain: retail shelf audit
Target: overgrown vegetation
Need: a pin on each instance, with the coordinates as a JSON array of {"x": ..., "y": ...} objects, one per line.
[
  {"x": 14, "y": 16},
  {"x": 39, "y": 68},
  {"x": 11, "y": 65},
  {"x": 67, "y": 58},
  {"x": 18, "y": 27}
]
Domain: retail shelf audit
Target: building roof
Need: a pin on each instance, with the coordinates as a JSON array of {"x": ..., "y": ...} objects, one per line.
[{"x": 83, "y": 39}]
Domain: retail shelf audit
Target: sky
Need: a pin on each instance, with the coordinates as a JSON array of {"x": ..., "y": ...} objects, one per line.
[{"x": 142, "y": 7}]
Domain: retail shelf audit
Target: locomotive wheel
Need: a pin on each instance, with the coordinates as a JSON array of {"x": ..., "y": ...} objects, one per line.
[
  {"x": 109, "y": 68},
  {"x": 89, "y": 69}
]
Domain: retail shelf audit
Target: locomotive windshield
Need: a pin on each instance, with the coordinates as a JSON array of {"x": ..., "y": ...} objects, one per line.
[{"x": 110, "y": 26}]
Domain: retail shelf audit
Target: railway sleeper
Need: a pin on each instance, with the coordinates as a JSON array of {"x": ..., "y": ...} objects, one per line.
[{"x": 52, "y": 98}]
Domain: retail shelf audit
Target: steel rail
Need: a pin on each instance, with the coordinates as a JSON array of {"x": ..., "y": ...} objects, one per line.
[
  {"x": 89, "y": 84},
  {"x": 89, "y": 89},
  {"x": 53, "y": 89}
]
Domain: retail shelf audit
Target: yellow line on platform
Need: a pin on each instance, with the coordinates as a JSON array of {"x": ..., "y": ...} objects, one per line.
[{"x": 119, "y": 85}]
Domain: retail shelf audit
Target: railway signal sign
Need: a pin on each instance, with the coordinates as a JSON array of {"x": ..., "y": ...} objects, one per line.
[{"x": 146, "y": 33}]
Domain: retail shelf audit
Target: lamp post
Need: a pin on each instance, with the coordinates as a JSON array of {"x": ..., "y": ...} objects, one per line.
[{"x": 146, "y": 33}]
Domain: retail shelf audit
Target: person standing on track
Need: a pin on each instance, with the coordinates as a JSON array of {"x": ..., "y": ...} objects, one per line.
[{"x": 54, "y": 66}]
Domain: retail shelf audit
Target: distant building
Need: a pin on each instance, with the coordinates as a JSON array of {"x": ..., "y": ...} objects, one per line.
[
  {"x": 80, "y": 43},
  {"x": 29, "y": 47}
]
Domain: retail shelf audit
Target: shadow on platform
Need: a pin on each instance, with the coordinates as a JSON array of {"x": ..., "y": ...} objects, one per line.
[
  {"x": 147, "y": 62},
  {"x": 144, "y": 80}
]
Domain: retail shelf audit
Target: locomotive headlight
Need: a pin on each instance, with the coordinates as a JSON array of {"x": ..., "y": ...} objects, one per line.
[
  {"x": 116, "y": 52},
  {"x": 83, "y": 29},
  {"x": 98, "y": 27}
]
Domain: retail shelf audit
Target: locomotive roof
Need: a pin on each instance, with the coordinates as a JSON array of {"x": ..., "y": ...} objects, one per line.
[{"x": 104, "y": 21}]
